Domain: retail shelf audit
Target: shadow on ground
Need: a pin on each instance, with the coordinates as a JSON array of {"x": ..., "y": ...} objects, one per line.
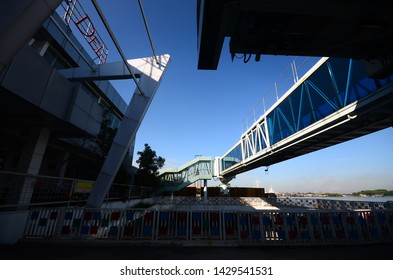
[{"x": 110, "y": 251}]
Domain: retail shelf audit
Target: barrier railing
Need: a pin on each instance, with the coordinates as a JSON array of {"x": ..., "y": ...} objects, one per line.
[
  {"x": 332, "y": 204},
  {"x": 207, "y": 226},
  {"x": 56, "y": 191}
]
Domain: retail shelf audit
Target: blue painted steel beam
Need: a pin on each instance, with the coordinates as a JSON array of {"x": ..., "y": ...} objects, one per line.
[{"x": 329, "y": 105}]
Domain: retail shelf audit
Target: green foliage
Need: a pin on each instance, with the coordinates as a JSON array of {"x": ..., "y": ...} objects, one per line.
[
  {"x": 375, "y": 192},
  {"x": 149, "y": 161},
  {"x": 123, "y": 176},
  {"x": 106, "y": 135},
  {"x": 332, "y": 194},
  {"x": 104, "y": 141},
  {"x": 149, "y": 164}
]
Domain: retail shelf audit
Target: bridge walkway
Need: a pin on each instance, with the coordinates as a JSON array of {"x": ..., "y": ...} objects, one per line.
[{"x": 333, "y": 102}]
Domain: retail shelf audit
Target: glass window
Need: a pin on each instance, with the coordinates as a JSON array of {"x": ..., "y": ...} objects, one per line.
[{"x": 232, "y": 158}]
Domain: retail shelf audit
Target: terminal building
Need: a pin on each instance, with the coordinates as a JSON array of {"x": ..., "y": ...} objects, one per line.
[
  {"x": 59, "y": 112},
  {"x": 41, "y": 109}
]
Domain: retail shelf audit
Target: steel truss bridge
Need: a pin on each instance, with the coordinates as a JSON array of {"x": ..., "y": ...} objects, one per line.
[{"x": 335, "y": 101}]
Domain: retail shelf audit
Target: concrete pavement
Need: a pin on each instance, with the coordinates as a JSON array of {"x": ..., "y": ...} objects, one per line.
[{"x": 45, "y": 250}]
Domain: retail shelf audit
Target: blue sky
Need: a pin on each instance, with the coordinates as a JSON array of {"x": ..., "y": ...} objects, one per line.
[{"x": 200, "y": 112}]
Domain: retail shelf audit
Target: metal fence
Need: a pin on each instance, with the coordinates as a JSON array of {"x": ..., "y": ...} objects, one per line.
[
  {"x": 207, "y": 226},
  {"x": 17, "y": 189},
  {"x": 333, "y": 204}
]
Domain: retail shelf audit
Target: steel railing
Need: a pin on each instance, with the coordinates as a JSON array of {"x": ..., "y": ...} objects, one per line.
[
  {"x": 24, "y": 190},
  {"x": 263, "y": 227}
]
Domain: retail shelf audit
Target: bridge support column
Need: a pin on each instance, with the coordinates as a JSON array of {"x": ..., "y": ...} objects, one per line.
[
  {"x": 31, "y": 160},
  {"x": 205, "y": 190}
]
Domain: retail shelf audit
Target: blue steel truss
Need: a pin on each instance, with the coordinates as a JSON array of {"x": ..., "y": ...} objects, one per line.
[
  {"x": 328, "y": 95},
  {"x": 333, "y": 84}
]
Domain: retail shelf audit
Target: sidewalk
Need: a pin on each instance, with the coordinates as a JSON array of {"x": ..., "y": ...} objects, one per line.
[{"x": 46, "y": 250}]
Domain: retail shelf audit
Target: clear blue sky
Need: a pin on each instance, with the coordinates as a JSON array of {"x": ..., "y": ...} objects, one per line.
[{"x": 200, "y": 112}]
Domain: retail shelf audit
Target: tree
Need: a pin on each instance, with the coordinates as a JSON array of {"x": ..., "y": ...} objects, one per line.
[
  {"x": 106, "y": 135},
  {"x": 103, "y": 143},
  {"x": 149, "y": 164}
]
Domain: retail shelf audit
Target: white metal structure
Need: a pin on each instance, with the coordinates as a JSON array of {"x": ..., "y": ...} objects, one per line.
[{"x": 151, "y": 75}]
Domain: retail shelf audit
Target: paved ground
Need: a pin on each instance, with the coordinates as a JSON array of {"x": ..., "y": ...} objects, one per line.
[{"x": 116, "y": 251}]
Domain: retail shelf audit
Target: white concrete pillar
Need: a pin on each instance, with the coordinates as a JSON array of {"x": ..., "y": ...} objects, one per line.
[
  {"x": 33, "y": 153},
  {"x": 151, "y": 76},
  {"x": 205, "y": 190}
]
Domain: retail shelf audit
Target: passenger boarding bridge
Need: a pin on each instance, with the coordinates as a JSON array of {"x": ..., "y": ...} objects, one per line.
[{"x": 333, "y": 102}]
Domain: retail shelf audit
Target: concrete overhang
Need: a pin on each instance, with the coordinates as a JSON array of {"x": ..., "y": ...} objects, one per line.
[{"x": 352, "y": 29}]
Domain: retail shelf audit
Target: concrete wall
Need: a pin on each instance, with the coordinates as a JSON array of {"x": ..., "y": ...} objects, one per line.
[{"x": 32, "y": 78}]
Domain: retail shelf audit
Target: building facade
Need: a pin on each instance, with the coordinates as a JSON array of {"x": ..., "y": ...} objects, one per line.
[{"x": 51, "y": 125}]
